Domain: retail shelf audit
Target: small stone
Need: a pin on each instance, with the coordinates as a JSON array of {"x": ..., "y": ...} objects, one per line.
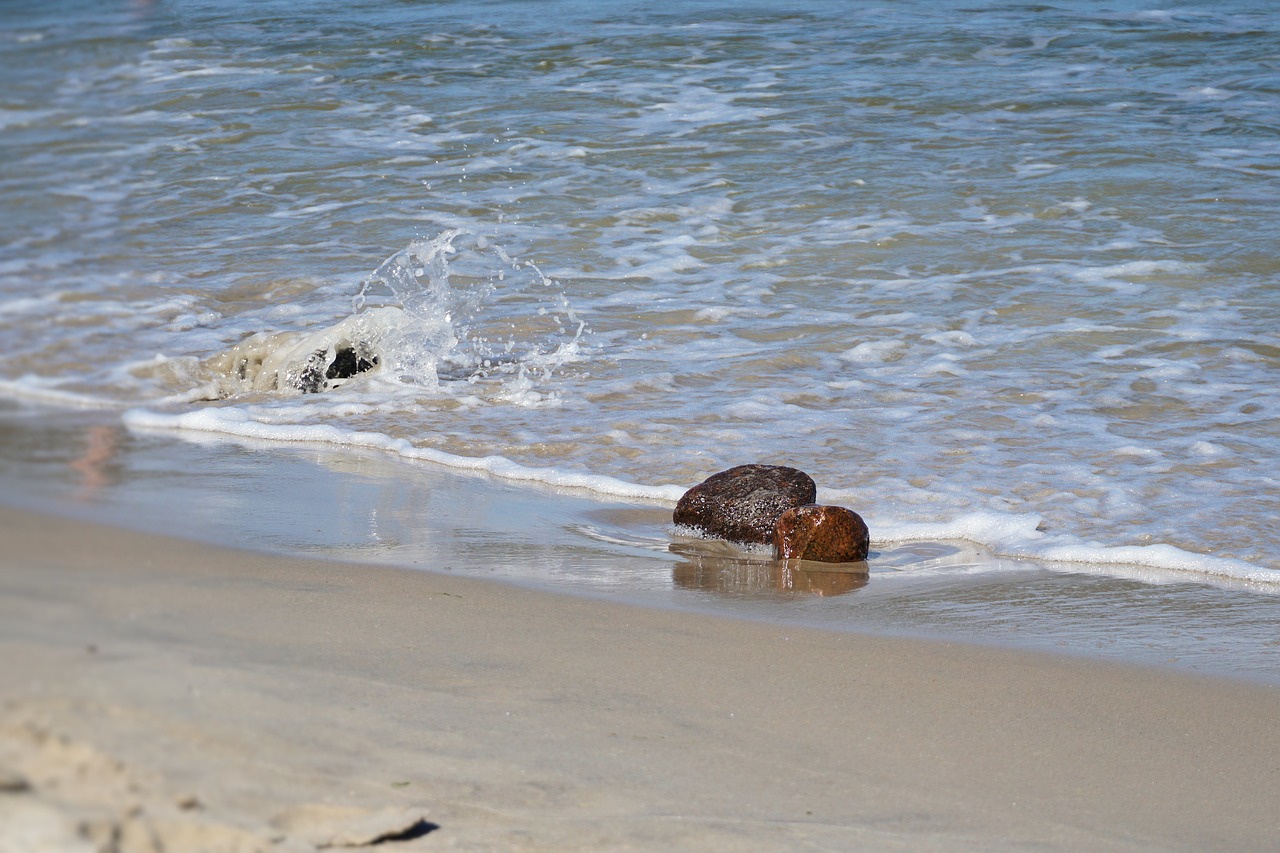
[
  {"x": 743, "y": 504},
  {"x": 824, "y": 534}
]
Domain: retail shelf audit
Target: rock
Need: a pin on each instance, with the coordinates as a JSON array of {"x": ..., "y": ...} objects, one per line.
[
  {"x": 314, "y": 374},
  {"x": 743, "y": 504},
  {"x": 308, "y": 361},
  {"x": 308, "y": 377},
  {"x": 348, "y": 361},
  {"x": 825, "y": 534}
]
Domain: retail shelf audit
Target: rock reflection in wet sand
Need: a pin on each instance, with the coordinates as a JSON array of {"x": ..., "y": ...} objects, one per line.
[{"x": 739, "y": 577}]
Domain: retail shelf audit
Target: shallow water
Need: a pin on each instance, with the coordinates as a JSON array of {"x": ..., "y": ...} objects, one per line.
[
  {"x": 990, "y": 273},
  {"x": 372, "y": 508}
]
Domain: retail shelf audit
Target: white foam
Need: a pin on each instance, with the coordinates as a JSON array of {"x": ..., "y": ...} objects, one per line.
[
  {"x": 952, "y": 339},
  {"x": 234, "y": 421},
  {"x": 874, "y": 352},
  {"x": 1208, "y": 449},
  {"x": 1181, "y": 566},
  {"x": 28, "y": 304},
  {"x": 1019, "y": 536},
  {"x": 1135, "y": 269},
  {"x": 1035, "y": 170}
]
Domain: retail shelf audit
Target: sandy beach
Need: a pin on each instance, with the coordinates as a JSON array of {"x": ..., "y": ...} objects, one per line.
[
  {"x": 357, "y": 356},
  {"x": 164, "y": 695}
]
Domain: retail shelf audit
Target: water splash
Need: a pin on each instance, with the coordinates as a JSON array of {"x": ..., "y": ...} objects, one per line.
[
  {"x": 453, "y": 308},
  {"x": 484, "y": 312}
]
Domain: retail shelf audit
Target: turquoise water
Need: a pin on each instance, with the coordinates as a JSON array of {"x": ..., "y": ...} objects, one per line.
[{"x": 999, "y": 276}]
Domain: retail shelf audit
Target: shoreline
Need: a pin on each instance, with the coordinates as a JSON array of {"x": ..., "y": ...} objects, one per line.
[
  {"x": 259, "y": 686},
  {"x": 367, "y": 507},
  {"x": 1157, "y": 563}
]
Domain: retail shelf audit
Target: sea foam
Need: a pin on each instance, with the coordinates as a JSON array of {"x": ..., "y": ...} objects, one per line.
[{"x": 231, "y": 421}]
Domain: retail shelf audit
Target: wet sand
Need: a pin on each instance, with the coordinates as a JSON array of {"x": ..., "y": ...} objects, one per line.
[{"x": 158, "y": 694}]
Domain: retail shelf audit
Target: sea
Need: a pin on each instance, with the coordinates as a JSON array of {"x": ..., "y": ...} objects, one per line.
[{"x": 483, "y": 286}]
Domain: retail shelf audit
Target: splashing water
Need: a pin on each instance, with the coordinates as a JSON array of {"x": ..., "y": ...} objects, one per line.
[{"x": 455, "y": 308}]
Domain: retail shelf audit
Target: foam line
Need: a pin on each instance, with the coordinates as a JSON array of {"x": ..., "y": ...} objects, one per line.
[{"x": 230, "y": 420}]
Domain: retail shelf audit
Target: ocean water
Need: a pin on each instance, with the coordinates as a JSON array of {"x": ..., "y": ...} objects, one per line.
[{"x": 1001, "y": 277}]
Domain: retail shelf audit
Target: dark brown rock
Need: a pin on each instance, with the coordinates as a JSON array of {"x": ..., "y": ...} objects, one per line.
[
  {"x": 743, "y": 504},
  {"x": 826, "y": 534}
]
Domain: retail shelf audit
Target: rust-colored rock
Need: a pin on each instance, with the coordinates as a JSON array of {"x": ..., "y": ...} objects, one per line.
[
  {"x": 826, "y": 534},
  {"x": 743, "y": 504}
]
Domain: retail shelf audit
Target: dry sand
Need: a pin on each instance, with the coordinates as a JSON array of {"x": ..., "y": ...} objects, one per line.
[{"x": 157, "y": 694}]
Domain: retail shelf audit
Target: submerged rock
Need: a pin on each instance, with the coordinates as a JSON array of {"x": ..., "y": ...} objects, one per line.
[
  {"x": 316, "y": 373},
  {"x": 309, "y": 362},
  {"x": 743, "y": 504},
  {"x": 825, "y": 534}
]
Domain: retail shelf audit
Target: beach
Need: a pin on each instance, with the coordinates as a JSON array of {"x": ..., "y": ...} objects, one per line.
[
  {"x": 357, "y": 355},
  {"x": 179, "y": 691}
]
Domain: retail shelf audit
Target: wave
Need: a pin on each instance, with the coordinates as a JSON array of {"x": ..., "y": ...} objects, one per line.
[{"x": 1003, "y": 535}]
